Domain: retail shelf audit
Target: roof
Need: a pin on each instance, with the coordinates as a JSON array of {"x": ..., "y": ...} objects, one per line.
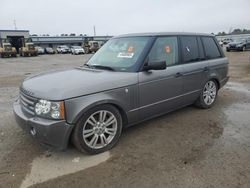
[
  {"x": 162, "y": 34},
  {"x": 14, "y": 30}
]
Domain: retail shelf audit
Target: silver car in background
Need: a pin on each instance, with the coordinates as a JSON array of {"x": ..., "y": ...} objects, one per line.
[
  {"x": 76, "y": 50},
  {"x": 40, "y": 50},
  {"x": 63, "y": 49},
  {"x": 132, "y": 78}
]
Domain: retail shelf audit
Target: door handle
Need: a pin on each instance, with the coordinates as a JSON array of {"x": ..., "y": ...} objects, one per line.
[
  {"x": 206, "y": 69},
  {"x": 178, "y": 74}
]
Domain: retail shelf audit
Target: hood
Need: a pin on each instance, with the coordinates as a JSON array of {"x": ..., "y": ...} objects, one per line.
[
  {"x": 236, "y": 43},
  {"x": 67, "y": 84}
]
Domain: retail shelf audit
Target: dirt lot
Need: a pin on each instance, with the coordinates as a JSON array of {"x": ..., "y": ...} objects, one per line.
[{"x": 187, "y": 148}]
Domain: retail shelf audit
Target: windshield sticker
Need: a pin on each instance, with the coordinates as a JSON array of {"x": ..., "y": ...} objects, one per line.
[
  {"x": 125, "y": 55},
  {"x": 130, "y": 49}
]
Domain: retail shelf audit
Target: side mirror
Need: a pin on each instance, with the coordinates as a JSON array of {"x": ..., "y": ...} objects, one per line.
[{"x": 161, "y": 65}]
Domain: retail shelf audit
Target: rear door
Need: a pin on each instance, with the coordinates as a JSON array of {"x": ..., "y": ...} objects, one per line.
[
  {"x": 201, "y": 60},
  {"x": 195, "y": 68},
  {"x": 159, "y": 89}
]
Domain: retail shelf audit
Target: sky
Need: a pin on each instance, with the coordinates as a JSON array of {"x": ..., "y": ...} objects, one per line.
[{"x": 114, "y": 17}]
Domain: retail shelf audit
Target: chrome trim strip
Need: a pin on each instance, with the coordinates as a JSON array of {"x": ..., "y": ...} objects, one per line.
[{"x": 148, "y": 105}]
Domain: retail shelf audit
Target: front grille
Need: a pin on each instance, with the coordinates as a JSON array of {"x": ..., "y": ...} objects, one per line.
[{"x": 28, "y": 103}]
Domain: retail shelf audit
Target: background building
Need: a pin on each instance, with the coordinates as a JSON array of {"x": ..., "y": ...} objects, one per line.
[{"x": 18, "y": 37}]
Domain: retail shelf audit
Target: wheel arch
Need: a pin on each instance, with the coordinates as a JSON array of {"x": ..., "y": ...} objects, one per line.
[
  {"x": 117, "y": 105},
  {"x": 217, "y": 81},
  {"x": 214, "y": 76}
]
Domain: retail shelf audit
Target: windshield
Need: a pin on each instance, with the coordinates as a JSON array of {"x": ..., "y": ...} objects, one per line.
[
  {"x": 8, "y": 47},
  {"x": 77, "y": 47},
  {"x": 31, "y": 46},
  {"x": 120, "y": 54},
  {"x": 95, "y": 44}
]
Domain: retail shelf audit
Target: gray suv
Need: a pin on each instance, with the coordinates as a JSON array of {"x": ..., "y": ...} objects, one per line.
[{"x": 132, "y": 78}]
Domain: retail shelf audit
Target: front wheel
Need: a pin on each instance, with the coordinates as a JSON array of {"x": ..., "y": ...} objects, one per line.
[
  {"x": 98, "y": 130},
  {"x": 208, "y": 95}
]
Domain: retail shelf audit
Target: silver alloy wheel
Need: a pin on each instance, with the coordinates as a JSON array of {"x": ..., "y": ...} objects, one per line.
[
  {"x": 99, "y": 129},
  {"x": 209, "y": 92}
]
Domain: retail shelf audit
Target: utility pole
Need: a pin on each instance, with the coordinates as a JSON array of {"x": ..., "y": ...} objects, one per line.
[
  {"x": 94, "y": 31},
  {"x": 15, "y": 24}
]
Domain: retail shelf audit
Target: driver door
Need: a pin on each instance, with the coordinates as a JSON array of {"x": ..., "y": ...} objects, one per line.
[{"x": 160, "y": 90}]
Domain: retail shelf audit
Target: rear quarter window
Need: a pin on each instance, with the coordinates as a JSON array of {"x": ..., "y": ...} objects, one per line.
[{"x": 210, "y": 47}]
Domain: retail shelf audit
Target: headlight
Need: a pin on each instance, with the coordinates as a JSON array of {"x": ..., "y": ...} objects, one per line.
[{"x": 49, "y": 109}]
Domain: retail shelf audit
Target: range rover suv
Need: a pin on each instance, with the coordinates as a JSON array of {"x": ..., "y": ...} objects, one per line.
[{"x": 132, "y": 78}]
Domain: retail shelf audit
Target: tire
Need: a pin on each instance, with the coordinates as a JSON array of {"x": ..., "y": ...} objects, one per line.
[
  {"x": 208, "y": 95},
  {"x": 98, "y": 136},
  {"x": 228, "y": 50}
]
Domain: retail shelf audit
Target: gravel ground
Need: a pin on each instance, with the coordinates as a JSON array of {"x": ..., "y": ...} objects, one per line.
[{"x": 186, "y": 148}]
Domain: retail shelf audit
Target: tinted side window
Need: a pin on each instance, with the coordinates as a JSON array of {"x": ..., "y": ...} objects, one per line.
[
  {"x": 211, "y": 49},
  {"x": 164, "y": 49},
  {"x": 189, "y": 49}
]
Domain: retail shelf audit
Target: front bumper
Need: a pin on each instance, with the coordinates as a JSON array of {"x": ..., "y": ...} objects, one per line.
[
  {"x": 234, "y": 48},
  {"x": 54, "y": 133},
  {"x": 79, "y": 52},
  {"x": 6, "y": 53}
]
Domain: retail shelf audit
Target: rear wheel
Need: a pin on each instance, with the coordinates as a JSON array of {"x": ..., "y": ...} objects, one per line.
[
  {"x": 98, "y": 130},
  {"x": 243, "y": 49},
  {"x": 208, "y": 95}
]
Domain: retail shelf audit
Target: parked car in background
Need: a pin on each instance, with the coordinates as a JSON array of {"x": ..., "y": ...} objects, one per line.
[
  {"x": 132, "y": 78},
  {"x": 40, "y": 50},
  {"x": 226, "y": 41},
  {"x": 221, "y": 43},
  {"x": 77, "y": 50},
  {"x": 238, "y": 45},
  {"x": 49, "y": 50},
  {"x": 63, "y": 49}
]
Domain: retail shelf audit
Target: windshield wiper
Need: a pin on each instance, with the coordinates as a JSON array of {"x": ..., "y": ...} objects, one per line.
[
  {"x": 102, "y": 67},
  {"x": 87, "y": 65}
]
